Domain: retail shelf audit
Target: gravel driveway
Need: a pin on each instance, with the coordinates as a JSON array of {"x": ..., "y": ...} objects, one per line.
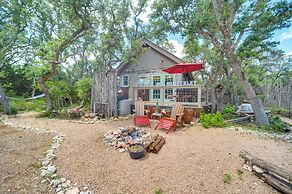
[{"x": 193, "y": 160}]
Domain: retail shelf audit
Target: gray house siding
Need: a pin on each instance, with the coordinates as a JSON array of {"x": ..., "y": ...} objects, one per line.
[{"x": 150, "y": 63}]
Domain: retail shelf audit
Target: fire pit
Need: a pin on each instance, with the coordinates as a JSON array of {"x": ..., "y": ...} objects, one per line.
[
  {"x": 136, "y": 151},
  {"x": 124, "y": 137}
]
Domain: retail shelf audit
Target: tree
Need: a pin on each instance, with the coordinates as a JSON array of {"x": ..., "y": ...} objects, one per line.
[
  {"x": 14, "y": 18},
  {"x": 242, "y": 30}
]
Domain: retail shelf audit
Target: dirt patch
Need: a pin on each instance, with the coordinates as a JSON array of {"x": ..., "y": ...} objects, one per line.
[
  {"x": 193, "y": 160},
  {"x": 20, "y": 151}
]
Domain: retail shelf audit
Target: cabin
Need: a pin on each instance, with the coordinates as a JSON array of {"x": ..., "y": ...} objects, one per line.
[{"x": 145, "y": 80}]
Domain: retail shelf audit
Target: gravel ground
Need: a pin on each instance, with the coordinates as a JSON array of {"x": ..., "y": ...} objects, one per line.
[
  {"x": 19, "y": 154},
  {"x": 193, "y": 160}
]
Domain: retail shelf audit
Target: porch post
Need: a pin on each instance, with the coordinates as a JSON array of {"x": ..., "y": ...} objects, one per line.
[
  {"x": 162, "y": 95},
  {"x": 199, "y": 96}
]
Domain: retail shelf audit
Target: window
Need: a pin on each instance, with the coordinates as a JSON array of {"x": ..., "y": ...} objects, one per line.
[
  {"x": 156, "y": 80},
  {"x": 156, "y": 94},
  {"x": 143, "y": 81},
  {"x": 168, "y": 79},
  {"x": 125, "y": 81},
  {"x": 168, "y": 93}
]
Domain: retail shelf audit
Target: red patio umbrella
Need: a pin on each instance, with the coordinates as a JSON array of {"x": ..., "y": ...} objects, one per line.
[{"x": 184, "y": 68}]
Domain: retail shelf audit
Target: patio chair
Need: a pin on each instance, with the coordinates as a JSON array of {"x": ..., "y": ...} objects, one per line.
[
  {"x": 175, "y": 118},
  {"x": 140, "y": 118}
]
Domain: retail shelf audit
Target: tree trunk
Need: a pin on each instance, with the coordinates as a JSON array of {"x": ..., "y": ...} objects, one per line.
[
  {"x": 4, "y": 101},
  {"x": 256, "y": 103},
  {"x": 47, "y": 93},
  {"x": 213, "y": 99},
  {"x": 220, "y": 101}
]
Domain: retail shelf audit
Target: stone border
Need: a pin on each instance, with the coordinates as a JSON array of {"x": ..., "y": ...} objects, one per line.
[
  {"x": 94, "y": 120},
  {"x": 262, "y": 134},
  {"x": 48, "y": 171}
]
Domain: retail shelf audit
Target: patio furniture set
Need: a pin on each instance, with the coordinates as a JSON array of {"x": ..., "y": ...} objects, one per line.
[{"x": 167, "y": 123}]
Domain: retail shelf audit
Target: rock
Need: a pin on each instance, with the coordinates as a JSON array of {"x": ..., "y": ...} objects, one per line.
[
  {"x": 58, "y": 189},
  {"x": 121, "y": 150},
  {"x": 51, "y": 169},
  {"x": 116, "y": 119},
  {"x": 45, "y": 162},
  {"x": 75, "y": 190},
  {"x": 56, "y": 182},
  {"x": 84, "y": 192},
  {"x": 44, "y": 173},
  {"x": 61, "y": 192},
  {"x": 66, "y": 184}
]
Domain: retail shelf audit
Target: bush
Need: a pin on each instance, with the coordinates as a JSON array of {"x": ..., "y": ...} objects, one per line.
[
  {"x": 32, "y": 105},
  {"x": 277, "y": 124},
  {"x": 212, "y": 120},
  {"x": 228, "y": 109},
  {"x": 12, "y": 111}
]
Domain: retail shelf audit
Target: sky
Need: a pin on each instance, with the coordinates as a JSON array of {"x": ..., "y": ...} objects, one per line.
[{"x": 284, "y": 36}]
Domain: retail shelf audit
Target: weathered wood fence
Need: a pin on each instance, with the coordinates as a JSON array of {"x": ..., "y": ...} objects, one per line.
[{"x": 104, "y": 94}]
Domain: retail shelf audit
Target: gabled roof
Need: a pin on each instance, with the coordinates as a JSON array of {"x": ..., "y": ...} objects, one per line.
[{"x": 156, "y": 48}]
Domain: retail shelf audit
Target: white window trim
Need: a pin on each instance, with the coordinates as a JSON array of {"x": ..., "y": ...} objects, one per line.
[{"x": 123, "y": 81}]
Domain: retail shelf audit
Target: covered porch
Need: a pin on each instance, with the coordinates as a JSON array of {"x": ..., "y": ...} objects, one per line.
[{"x": 187, "y": 94}]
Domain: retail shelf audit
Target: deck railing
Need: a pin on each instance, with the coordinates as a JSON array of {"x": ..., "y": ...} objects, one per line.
[{"x": 189, "y": 95}]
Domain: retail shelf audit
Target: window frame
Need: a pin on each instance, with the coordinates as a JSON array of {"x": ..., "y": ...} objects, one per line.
[
  {"x": 123, "y": 85},
  {"x": 156, "y": 94}
]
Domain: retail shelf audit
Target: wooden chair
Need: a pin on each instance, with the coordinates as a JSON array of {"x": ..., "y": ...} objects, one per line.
[
  {"x": 175, "y": 118},
  {"x": 140, "y": 118}
]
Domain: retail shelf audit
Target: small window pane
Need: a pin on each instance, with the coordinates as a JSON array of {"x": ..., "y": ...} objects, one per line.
[
  {"x": 168, "y": 93},
  {"x": 156, "y": 94},
  {"x": 168, "y": 79},
  {"x": 156, "y": 80},
  {"x": 125, "y": 80}
]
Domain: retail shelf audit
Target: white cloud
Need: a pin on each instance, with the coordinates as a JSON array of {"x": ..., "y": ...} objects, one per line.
[
  {"x": 286, "y": 35},
  {"x": 289, "y": 53},
  {"x": 179, "y": 48}
]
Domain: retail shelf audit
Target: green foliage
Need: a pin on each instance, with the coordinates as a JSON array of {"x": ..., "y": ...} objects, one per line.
[
  {"x": 227, "y": 178},
  {"x": 47, "y": 114},
  {"x": 212, "y": 120},
  {"x": 228, "y": 109},
  {"x": 37, "y": 105},
  {"x": 158, "y": 190},
  {"x": 277, "y": 124},
  {"x": 240, "y": 173},
  {"x": 83, "y": 87},
  {"x": 12, "y": 111}
]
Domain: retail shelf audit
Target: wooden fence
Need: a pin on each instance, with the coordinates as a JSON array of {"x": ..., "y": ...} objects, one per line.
[
  {"x": 104, "y": 94},
  {"x": 279, "y": 96}
]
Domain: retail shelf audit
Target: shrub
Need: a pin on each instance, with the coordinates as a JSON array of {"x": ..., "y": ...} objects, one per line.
[
  {"x": 12, "y": 111},
  {"x": 228, "y": 109},
  {"x": 277, "y": 124},
  {"x": 227, "y": 178},
  {"x": 212, "y": 120}
]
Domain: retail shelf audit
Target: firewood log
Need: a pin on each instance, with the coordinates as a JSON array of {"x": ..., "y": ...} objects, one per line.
[
  {"x": 266, "y": 166},
  {"x": 275, "y": 176},
  {"x": 150, "y": 142},
  {"x": 155, "y": 143},
  {"x": 159, "y": 146}
]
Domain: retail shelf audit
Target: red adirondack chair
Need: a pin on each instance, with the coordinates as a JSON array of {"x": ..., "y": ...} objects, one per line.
[
  {"x": 175, "y": 118},
  {"x": 140, "y": 118}
]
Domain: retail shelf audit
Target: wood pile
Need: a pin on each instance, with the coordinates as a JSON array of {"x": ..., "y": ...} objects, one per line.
[
  {"x": 155, "y": 144},
  {"x": 75, "y": 112},
  {"x": 275, "y": 176},
  {"x": 245, "y": 119}
]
